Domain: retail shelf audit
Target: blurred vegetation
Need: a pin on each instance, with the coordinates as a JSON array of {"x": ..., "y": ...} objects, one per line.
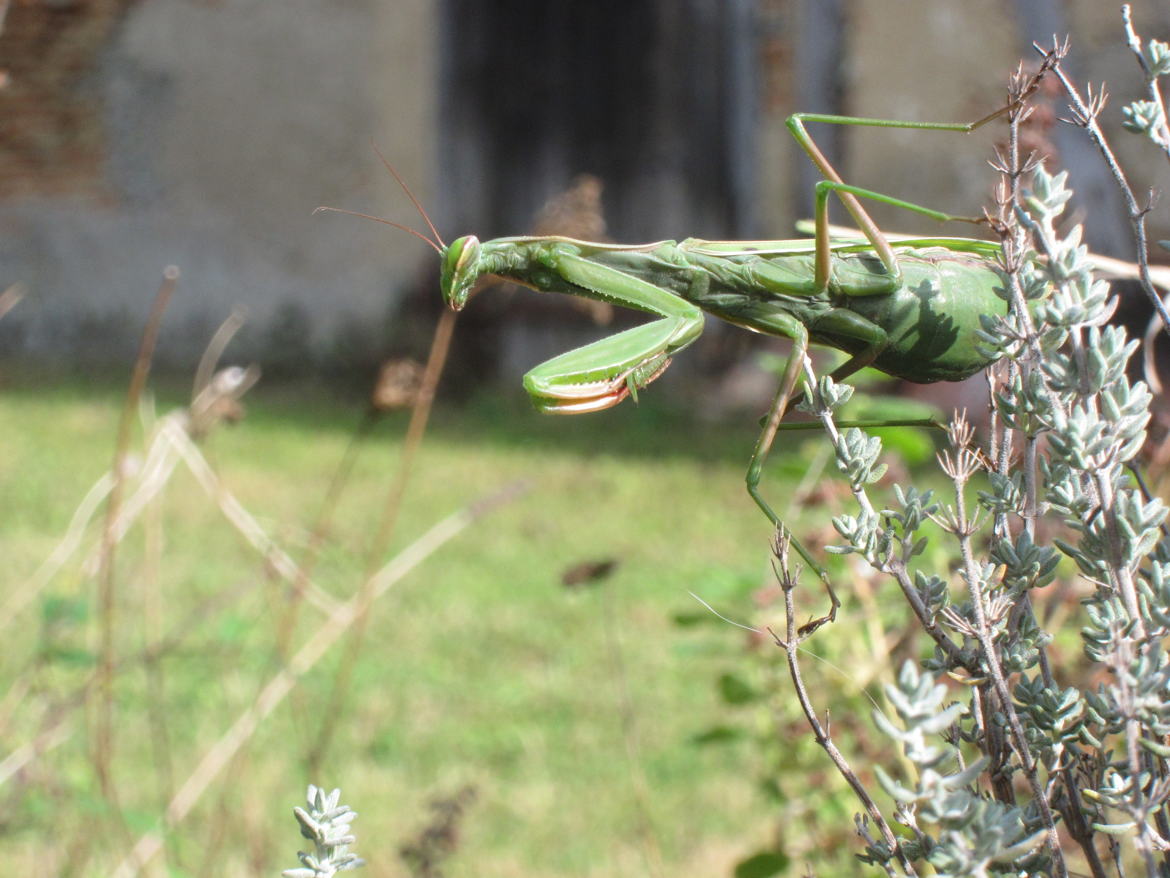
[{"x": 598, "y": 735}]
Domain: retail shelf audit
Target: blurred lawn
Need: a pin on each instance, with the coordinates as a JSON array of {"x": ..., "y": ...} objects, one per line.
[{"x": 571, "y": 711}]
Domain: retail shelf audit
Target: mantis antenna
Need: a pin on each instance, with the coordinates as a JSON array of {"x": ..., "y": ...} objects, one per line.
[
  {"x": 417, "y": 206},
  {"x": 382, "y": 220},
  {"x": 437, "y": 243}
]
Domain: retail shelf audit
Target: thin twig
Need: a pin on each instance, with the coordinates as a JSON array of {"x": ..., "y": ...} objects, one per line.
[
  {"x": 320, "y": 531},
  {"x": 10, "y": 297},
  {"x": 214, "y": 350},
  {"x": 1014, "y": 242},
  {"x": 50, "y": 738},
  {"x": 1161, "y": 138},
  {"x": 22, "y": 597},
  {"x": 1085, "y": 116},
  {"x": 790, "y": 643},
  {"x": 155, "y": 652},
  {"x": 242, "y": 520},
  {"x": 170, "y": 443},
  {"x": 153, "y": 615}
]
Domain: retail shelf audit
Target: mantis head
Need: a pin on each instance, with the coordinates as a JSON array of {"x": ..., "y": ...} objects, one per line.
[{"x": 461, "y": 269}]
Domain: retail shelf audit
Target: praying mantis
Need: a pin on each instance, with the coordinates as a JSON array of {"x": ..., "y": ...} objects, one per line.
[{"x": 911, "y": 308}]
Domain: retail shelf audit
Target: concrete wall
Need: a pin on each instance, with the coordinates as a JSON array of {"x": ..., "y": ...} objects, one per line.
[
  {"x": 949, "y": 62},
  {"x": 225, "y": 124}
]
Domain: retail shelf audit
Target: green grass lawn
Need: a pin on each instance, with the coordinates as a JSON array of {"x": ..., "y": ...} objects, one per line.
[{"x": 573, "y": 712}]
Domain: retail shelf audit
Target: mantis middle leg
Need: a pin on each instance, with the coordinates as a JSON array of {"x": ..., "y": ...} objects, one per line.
[
  {"x": 789, "y": 326},
  {"x": 872, "y": 340}
]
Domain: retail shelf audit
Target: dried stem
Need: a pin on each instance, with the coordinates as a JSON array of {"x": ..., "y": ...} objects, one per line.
[
  {"x": 1085, "y": 116},
  {"x": 103, "y": 737},
  {"x": 790, "y": 643},
  {"x": 303, "y": 585},
  {"x": 9, "y": 298},
  {"x": 415, "y": 430},
  {"x": 274, "y": 692}
]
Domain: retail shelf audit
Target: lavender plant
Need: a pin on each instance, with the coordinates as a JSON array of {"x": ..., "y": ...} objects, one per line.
[
  {"x": 326, "y": 823},
  {"x": 1017, "y": 773},
  {"x": 1148, "y": 117}
]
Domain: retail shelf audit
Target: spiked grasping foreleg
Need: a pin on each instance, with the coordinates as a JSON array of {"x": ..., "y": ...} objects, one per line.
[{"x": 605, "y": 372}]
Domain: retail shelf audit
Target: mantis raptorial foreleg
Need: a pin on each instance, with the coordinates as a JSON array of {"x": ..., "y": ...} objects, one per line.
[{"x": 604, "y": 373}]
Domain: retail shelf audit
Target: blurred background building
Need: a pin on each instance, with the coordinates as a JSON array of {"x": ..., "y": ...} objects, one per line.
[{"x": 203, "y": 133}]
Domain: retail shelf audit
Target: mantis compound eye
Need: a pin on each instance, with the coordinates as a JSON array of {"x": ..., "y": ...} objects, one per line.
[{"x": 461, "y": 269}]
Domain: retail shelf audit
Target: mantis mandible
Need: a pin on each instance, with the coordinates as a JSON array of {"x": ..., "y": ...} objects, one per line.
[{"x": 909, "y": 308}]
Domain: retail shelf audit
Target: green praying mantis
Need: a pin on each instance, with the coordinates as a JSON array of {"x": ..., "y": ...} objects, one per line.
[{"x": 910, "y": 308}]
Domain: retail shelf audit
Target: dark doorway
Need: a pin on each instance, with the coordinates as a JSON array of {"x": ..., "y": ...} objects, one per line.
[{"x": 656, "y": 98}]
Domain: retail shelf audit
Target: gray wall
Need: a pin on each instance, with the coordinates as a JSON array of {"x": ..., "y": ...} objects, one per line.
[{"x": 226, "y": 124}]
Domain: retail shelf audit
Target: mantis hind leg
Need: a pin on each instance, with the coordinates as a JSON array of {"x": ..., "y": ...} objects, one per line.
[
  {"x": 848, "y": 194},
  {"x": 881, "y": 245}
]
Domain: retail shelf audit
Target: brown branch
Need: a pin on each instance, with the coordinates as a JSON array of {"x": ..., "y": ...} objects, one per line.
[
  {"x": 791, "y": 646},
  {"x": 1085, "y": 116}
]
